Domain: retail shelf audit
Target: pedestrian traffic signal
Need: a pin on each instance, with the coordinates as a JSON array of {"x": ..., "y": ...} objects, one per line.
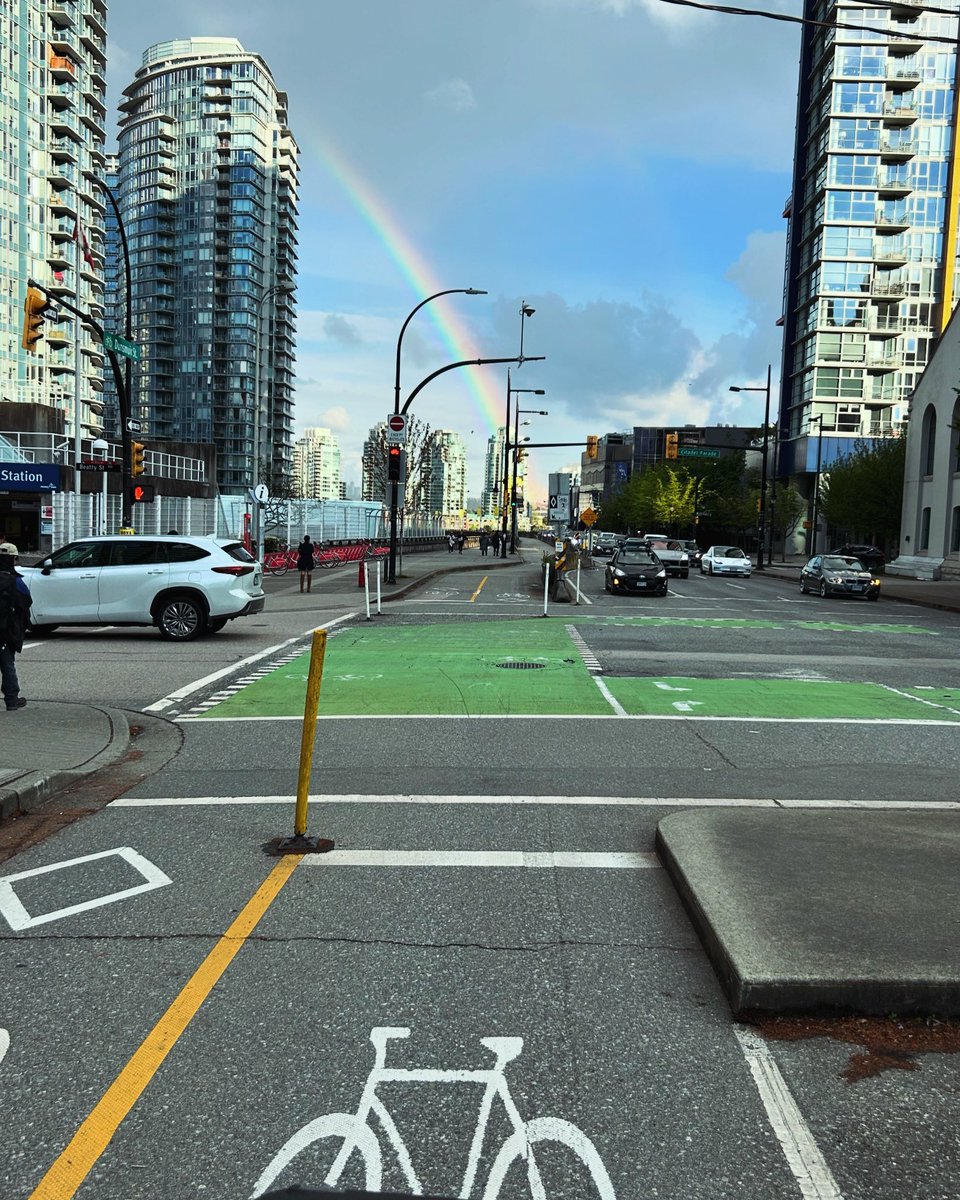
[
  {"x": 672, "y": 440},
  {"x": 592, "y": 441},
  {"x": 143, "y": 493},
  {"x": 395, "y": 464},
  {"x": 34, "y": 309}
]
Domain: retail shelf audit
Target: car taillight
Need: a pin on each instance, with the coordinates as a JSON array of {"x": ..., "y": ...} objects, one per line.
[{"x": 238, "y": 570}]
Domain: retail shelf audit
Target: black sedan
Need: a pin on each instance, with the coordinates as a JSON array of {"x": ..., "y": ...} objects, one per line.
[
  {"x": 635, "y": 571},
  {"x": 839, "y": 575}
]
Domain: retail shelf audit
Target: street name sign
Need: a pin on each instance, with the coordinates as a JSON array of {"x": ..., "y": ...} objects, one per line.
[
  {"x": 121, "y": 345},
  {"x": 100, "y": 464},
  {"x": 696, "y": 452}
]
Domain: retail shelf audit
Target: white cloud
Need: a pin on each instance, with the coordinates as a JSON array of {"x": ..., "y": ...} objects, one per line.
[{"x": 456, "y": 95}]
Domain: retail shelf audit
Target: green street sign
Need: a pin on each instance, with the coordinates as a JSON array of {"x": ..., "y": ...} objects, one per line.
[
  {"x": 696, "y": 452},
  {"x": 121, "y": 345}
]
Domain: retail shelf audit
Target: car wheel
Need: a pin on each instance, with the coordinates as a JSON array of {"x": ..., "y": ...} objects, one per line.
[
  {"x": 41, "y": 630},
  {"x": 215, "y": 624},
  {"x": 873, "y": 595},
  {"x": 180, "y": 618},
  {"x": 684, "y": 574},
  {"x": 803, "y": 586},
  {"x": 823, "y": 589}
]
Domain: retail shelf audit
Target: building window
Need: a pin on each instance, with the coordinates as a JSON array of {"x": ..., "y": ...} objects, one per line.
[
  {"x": 925, "y": 529},
  {"x": 955, "y": 532},
  {"x": 928, "y": 440}
]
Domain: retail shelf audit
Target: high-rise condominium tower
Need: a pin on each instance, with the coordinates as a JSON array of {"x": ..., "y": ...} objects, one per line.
[
  {"x": 52, "y": 111},
  {"x": 872, "y": 248},
  {"x": 492, "y": 495},
  {"x": 208, "y": 192},
  {"x": 444, "y": 478},
  {"x": 316, "y": 465}
]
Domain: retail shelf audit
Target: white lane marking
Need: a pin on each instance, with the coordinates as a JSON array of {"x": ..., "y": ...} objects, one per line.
[
  {"x": 31, "y": 645},
  {"x": 739, "y": 586},
  {"x": 4, "y": 1043},
  {"x": 483, "y": 858},
  {"x": 190, "y": 688},
  {"x": 919, "y": 699},
  {"x": 17, "y": 917},
  {"x": 590, "y": 660},
  {"x": 618, "y": 709},
  {"x": 800, "y": 1150},
  {"x": 589, "y": 801},
  {"x": 619, "y": 714}
]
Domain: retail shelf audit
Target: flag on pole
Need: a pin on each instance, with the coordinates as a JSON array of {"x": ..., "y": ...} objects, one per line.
[{"x": 81, "y": 239}]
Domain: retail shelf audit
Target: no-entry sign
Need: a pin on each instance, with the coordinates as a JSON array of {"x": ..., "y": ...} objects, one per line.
[{"x": 396, "y": 429}]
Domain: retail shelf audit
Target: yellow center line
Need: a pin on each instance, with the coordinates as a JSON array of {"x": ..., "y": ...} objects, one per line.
[
  {"x": 479, "y": 589},
  {"x": 71, "y": 1168}
]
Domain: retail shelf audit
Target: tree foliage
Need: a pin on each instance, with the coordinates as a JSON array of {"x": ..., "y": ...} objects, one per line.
[{"x": 862, "y": 495}]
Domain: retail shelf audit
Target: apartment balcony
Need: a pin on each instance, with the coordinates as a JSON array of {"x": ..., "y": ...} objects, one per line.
[
  {"x": 62, "y": 175},
  {"x": 900, "y": 114},
  {"x": 62, "y": 13},
  {"x": 902, "y": 46},
  {"x": 892, "y": 151},
  {"x": 62, "y": 202},
  {"x": 61, "y": 67},
  {"x": 893, "y": 256},
  {"x": 61, "y": 96},
  {"x": 64, "y": 121},
  {"x": 878, "y": 365},
  {"x": 63, "y": 150},
  {"x": 787, "y": 207},
  {"x": 97, "y": 19},
  {"x": 58, "y": 256},
  {"x": 901, "y": 79},
  {"x": 894, "y": 188},
  {"x": 889, "y": 289},
  {"x": 895, "y": 224}
]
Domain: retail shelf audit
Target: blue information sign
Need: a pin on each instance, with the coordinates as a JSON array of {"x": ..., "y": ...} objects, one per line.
[{"x": 29, "y": 477}]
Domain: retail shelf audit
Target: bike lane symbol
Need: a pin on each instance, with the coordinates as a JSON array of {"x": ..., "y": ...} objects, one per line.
[{"x": 372, "y": 1127}]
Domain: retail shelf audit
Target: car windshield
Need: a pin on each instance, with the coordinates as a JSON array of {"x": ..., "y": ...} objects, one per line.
[
  {"x": 729, "y": 552},
  {"x": 833, "y": 562}
]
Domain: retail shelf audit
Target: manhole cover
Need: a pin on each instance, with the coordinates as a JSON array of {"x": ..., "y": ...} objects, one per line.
[{"x": 522, "y": 666}]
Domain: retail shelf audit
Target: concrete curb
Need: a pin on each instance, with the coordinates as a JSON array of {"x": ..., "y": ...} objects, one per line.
[{"x": 34, "y": 788}]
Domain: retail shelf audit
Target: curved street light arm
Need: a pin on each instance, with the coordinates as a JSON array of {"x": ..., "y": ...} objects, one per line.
[
  {"x": 469, "y": 362},
  {"x": 411, "y": 315}
]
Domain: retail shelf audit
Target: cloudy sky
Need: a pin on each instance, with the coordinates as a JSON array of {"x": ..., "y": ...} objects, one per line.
[{"x": 620, "y": 165}]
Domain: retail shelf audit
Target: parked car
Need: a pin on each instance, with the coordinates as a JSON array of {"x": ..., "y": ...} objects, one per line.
[
  {"x": 604, "y": 545},
  {"x": 725, "y": 560},
  {"x": 673, "y": 556},
  {"x": 185, "y": 586},
  {"x": 872, "y": 557},
  {"x": 636, "y": 570},
  {"x": 839, "y": 575}
]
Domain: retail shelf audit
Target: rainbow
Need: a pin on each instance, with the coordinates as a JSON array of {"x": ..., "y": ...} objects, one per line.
[{"x": 423, "y": 281}]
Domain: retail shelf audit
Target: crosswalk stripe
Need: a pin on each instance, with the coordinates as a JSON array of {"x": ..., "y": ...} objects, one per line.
[{"x": 554, "y": 801}]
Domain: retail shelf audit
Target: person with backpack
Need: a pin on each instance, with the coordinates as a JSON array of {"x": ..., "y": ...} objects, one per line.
[
  {"x": 305, "y": 562},
  {"x": 15, "y": 604}
]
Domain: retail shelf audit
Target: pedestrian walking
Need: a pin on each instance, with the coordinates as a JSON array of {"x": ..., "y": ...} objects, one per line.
[
  {"x": 305, "y": 562},
  {"x": 451, "y": 542},
  {"x": 461, "y": 540},
  {"x": 15, "y": 604},
  {"x": 484, "y": 544}
]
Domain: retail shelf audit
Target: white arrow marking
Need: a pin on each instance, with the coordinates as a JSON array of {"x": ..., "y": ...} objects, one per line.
[
  {"x": 687, "y": 705},
  {"x": 666, "y": 687}
]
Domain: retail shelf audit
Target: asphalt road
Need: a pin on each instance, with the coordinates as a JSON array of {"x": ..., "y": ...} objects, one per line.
[{"x": 493, "y": 879}]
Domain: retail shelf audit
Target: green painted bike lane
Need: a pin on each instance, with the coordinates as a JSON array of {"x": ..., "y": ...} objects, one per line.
[{"x": 534, "y": 668}]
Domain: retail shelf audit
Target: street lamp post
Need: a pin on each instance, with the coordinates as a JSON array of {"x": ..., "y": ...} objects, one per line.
[
  {"x": 277, "y": 289},
  {"x": 815, "y": 516},
  {"x": 516, "y": 452},
  {"x": 104, "y": 447},
  {"x": 762, "y": 508},
  {"x": 393, "y": 488}
]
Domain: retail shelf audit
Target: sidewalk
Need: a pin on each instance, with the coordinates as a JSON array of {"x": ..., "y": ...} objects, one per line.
[{"x": 47, "y": 746}]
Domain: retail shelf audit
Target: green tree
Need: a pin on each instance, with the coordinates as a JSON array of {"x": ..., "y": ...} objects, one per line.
[{"x": 862, "y": 494}]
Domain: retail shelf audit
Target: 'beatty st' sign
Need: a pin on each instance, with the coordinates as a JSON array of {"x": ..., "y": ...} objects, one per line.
[{"x": 29, "y": 477}]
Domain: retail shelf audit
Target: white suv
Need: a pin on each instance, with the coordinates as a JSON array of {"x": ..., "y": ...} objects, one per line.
[{"x": 186, "y": 586}]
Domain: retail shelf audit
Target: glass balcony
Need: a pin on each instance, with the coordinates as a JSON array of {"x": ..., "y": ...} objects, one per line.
[
  {"x": 897, "y": 151},
  {"x": 900, "y": 114}
]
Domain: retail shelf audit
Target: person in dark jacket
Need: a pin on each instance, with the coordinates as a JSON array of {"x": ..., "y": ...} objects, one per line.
[
  {"x": 305, "y": 562},
  {"x": 15, "y": 604}
]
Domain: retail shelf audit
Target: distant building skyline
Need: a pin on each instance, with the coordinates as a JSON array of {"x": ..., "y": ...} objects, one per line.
[{"x": 316, "y": 466}]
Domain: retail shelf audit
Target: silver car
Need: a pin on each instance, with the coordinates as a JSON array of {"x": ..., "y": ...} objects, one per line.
[
  {"x": 185, "y": 586},
  {"x": 725, "y": 560}
]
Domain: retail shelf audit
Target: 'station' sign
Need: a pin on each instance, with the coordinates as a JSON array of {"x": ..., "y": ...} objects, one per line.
[{"x": 29, "y": 477}]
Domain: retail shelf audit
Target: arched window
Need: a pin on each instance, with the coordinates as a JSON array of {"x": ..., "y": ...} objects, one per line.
[
  {"x": 928, "y": 441},
  {"x": 925, "y": 529},
  {"x": 955, "y": 532}
]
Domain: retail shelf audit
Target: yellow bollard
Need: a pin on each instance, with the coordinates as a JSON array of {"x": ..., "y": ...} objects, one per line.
[{"x": 300, "y": 843}]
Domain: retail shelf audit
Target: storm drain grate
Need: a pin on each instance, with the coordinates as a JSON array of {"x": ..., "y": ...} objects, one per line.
[{"x": 522, "y": 666}]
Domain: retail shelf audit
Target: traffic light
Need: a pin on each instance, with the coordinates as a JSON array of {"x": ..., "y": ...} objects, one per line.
[
  {"x": 137, "y": 450},
  {"x": 672, "y": 445},
  {"x": 395, "y": 464},
  {"x": 592, "y": 441},
  {"x": 34, "y": 308},
  {"x": 143, "y": 493}
]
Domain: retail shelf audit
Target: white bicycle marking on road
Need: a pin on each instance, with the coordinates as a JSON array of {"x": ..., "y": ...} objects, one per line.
[
  {"x": 4, "y": 1044},
  {"x": 358, "y": 1135}
]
